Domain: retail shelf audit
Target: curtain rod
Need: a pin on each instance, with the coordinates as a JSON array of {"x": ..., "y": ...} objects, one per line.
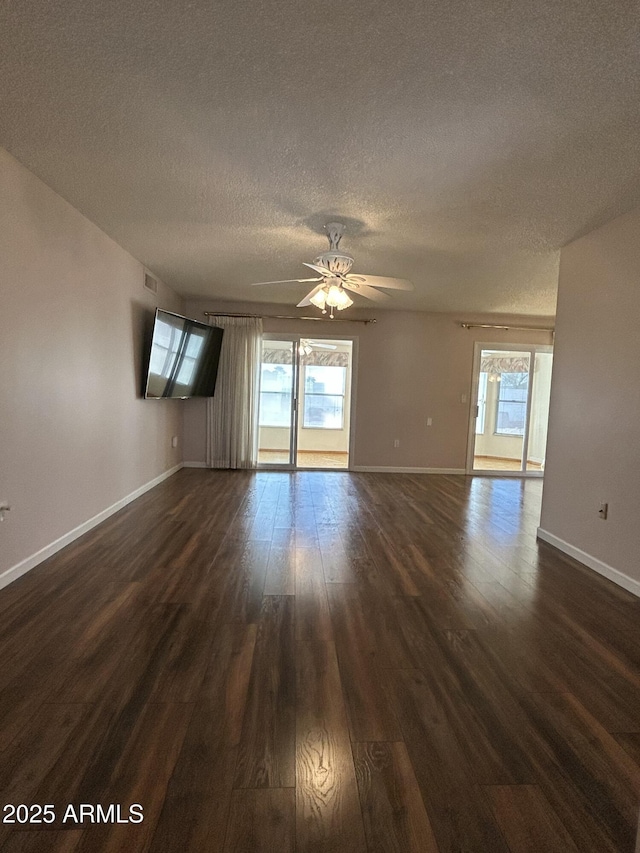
[
  {"x": 507, "y": 328},
  {"x": 287, "y": 317}
]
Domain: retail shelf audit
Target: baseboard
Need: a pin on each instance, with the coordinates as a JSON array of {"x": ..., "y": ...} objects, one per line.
[
  {"x": 384, "y": 469},
  {"x": 194, "y": 465},
  {"x": 590, "y": 562},
  {"x": 31, "y": 562}
]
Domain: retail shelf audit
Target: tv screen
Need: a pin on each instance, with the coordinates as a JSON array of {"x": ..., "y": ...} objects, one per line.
[{"x": 184, "y": 357}]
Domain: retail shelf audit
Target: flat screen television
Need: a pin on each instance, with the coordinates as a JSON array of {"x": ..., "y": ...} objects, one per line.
[{"x": 183, "y": 359}]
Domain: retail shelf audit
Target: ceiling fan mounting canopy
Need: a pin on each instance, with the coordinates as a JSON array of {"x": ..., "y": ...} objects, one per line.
[
  {"x": 334, "y": 260},
  {"x": 334, "y": 230}
]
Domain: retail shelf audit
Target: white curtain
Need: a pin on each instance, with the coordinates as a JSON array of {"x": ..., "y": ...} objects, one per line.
[{"x": 232, "y": 435}]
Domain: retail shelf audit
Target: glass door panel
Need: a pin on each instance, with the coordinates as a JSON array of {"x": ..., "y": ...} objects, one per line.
[
  {"x": 325, "y": 396},
  {"x": 276, "y": 434},
  {"x": 502, "y": 396},
  {"x": 539, "y": 417}
]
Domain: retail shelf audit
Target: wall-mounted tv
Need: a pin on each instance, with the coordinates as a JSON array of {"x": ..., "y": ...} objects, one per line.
[{"x": 184, "y": 358}]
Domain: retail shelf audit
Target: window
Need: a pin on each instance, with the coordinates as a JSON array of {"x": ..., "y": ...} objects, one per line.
[
  {"x": 195, "y": 342},
  {"x": 165, "y": 349},
  {"x": 275, "y": 395},
  {"x": 512, "y": 403},
  {"x": 324, "y": 390}
]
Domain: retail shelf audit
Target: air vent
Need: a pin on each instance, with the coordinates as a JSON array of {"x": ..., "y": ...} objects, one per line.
[{"x": 150, "y": 283}]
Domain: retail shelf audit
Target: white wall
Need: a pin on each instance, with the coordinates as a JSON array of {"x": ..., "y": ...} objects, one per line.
[
  {"x": 593, "y": 451},
  {"x": 75, "y": 435}
]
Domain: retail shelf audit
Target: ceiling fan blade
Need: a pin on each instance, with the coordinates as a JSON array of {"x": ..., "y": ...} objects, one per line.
[
  {"x": 365, "y": 290},
  {"x": 310, "y": 295},
  {"x": 381, "y": 281},
  {"x": 317, "y": 268},
  {"x": 284, "y": 281},
  {"x": 309, "y": 342}
]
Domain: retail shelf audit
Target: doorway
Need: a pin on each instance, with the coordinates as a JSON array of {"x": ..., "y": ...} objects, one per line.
[
  {"x": 305, "y": 402},
  {"x": 510, "y": 409}
]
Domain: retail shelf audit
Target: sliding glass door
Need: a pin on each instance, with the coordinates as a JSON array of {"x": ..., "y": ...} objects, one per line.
[
  {"x": 278, "y": 398},
  {"x": 510, "y": 409},
  {"x": 305, "y": 403}
]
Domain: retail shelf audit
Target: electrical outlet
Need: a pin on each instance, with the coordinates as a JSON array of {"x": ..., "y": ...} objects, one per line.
[
  {"x": 174, "y": 441},
  {"x": 603, "y": 512},
  {"x": 396, "y": 442},
  {"x": 429, "y": 421}
]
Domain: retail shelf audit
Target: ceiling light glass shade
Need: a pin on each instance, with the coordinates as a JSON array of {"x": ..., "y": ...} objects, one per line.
[
  {"x": 335, "y": 296},
  {"x": 319, "y": 299},
  {"x": 345, "y": 301}
]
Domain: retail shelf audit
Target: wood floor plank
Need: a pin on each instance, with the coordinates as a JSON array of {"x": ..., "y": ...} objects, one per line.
[
  {"x": 592, "y": 784},
  {"x": 262, "y": 821},
  {"x": 630, "y": 742},
  {"x": 459, "y": 814},
  {"x": 266, "y": 757},
  {"x": 280, "y": 572},
  {"x": 239, "y": 581},
  {"x": 198, "y": 796},
  {"x": 312, "y": 617},
  {"x": 145, "y": 637},
  {"x": 33, "y": 755},
  {"x": 337, "y": 566},
  {"x": 394, "y": 815},
  {"x": 43, "y": 841},
  {"x": 328, "y": 815},
  {"x": 527, "y": 821},
  {"x": 140, "y": 776},
  {"x": 368, "y": 709},
  {"x": 65, "y": 780},
  {"x": 485, "y": 711}
]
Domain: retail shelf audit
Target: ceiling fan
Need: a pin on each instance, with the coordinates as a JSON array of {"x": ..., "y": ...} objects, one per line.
[
  {"x": 335, "y": 280},
  {"x": 307, "y": 346}
]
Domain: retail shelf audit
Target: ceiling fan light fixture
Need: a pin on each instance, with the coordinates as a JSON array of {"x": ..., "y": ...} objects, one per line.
[
  {"x": 337, "y": 298},
  {"x": 334, "y": 282},
  {"x": 345, "y": 301},
  {"x": 319, "y": 299}
]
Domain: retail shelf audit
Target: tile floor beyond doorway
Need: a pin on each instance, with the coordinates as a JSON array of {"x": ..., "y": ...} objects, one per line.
[
  {"x": 306, "y": 458},
  {"x": 495, "y": 463}
]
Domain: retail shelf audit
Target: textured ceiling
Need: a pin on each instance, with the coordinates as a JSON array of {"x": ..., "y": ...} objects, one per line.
[{"x": 463, "y": 143}]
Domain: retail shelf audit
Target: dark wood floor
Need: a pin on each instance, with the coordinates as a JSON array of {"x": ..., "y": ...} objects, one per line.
[{"x": 322, "y": 662}]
